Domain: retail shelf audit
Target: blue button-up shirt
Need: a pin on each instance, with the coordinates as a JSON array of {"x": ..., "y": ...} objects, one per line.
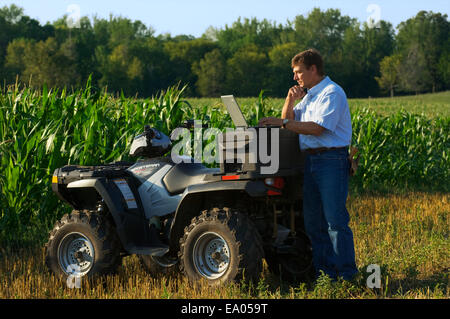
[{"x": 325, "y": 104}]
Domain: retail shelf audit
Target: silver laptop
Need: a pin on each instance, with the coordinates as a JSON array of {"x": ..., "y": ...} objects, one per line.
[{"x": 235, "y": 111}]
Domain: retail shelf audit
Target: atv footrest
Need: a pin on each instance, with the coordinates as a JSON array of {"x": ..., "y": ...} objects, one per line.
[{"x": 152, "y": 251}]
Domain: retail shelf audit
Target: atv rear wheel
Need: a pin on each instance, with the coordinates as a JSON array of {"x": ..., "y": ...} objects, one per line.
[
  {"x": 82, "y": 243},
  {"x": 296, "y": 266},
  {"x": 221, "y": 245}
]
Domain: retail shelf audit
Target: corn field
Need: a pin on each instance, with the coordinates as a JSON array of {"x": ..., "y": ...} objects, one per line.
[{"x": 41, "y": 130}]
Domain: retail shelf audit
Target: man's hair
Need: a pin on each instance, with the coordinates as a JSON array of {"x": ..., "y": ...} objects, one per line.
[{"x": 308, "y": 58}]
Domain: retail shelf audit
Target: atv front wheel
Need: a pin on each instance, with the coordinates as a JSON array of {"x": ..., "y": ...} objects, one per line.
[
  {"x": 82, "y": 243},
  {"x": 221, "y": 245}
]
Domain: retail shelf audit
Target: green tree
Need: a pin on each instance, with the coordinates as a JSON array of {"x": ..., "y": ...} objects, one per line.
[
  {"x": 425, "y": 37},
  {"x": 323, "y": 30},
  {"x": 240, "y": 34},
  {"x": 14, "y": 25},
  {"x": 415, "y": 74},
  {"x": 82, "y": 43},
  {"x": 444, "y": 67},
  {"x": 379, "y": 42},
  {"x": 16, "y": 54},
  {"x": 363, "y": 47},
  {"x": 119, "y": 30},
  {"x": 44, "y": 62},
  {"x": 349, "y": 67},
  {"x": 210, "y": 72},
  {"x": 11, "y": 14},
  {"x": 182, "y": 56},
  {"x": 156, "y": 66},
  {"x": 280, "y": 76},
  {"x": 389, "y": 69},
  {"x": 120, "y": 69},
  {"x": 125, "y": 55},
  {"x": 120, "y": 54},
  {"x": 246, "y": 71}
]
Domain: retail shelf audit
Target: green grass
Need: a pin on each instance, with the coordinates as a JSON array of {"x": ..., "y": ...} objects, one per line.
[{"x": 430, "y": 105}]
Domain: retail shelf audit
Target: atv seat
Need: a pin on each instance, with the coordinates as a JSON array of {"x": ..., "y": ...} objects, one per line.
[{"x": 184, "y": 174}]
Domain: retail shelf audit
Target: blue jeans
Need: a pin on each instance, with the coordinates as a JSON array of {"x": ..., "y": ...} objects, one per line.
[{"x": 325, "y": 191}]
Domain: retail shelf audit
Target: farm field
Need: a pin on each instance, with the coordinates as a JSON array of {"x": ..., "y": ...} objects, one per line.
[
  {"x": 406, "y": 235},
  {"x": 430, "y": 105},
  {"x": 399, "y": 200}
]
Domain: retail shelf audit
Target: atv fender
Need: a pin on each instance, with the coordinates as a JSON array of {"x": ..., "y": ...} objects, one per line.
[
  {"x": 194, "y": 198},
  {"x": 83, "y": 183},
  {"x": 131, "y": 227}
]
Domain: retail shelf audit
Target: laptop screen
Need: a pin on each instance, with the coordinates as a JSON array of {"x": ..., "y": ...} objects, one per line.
[{"x": 234, "y": 110}]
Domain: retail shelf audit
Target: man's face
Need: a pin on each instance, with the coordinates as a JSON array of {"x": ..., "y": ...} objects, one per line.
[{"x": 303, "y": 75}]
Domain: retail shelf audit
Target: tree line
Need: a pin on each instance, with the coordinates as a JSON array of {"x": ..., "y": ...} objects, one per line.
[{"x": 244, "y": 58}]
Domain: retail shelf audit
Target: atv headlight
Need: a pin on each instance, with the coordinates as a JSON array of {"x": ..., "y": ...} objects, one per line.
[{"x": 54, "y": 179}]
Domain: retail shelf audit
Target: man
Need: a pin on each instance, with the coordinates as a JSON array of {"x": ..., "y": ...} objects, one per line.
[{"x": 322, "y": 120}]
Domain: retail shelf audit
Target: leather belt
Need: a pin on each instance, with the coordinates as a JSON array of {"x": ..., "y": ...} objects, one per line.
[{"x": 318, "y": 150}]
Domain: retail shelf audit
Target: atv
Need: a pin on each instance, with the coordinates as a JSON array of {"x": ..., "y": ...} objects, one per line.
[{"x": 212, "y": 223}]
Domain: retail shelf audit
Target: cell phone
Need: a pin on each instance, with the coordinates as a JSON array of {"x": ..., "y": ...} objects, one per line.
[{"x": 304, "y": 89}]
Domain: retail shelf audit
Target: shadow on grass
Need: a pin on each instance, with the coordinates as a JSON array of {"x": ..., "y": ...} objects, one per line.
[{"x": 393, "y": 285}]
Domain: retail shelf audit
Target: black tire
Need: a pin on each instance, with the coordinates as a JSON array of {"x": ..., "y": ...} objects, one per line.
[
  {"x": 91, "y": 231},
  {"x": 241, "y": 247},
  {"x": 294, "y": 267}
]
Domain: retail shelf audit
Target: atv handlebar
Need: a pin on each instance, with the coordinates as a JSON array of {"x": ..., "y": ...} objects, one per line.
[{"x": 190, "y": 124}]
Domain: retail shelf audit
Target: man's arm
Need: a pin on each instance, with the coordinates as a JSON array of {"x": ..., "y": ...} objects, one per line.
[
  {"x": 288, "y": 109},
  {"x": 305, "y": 128}
]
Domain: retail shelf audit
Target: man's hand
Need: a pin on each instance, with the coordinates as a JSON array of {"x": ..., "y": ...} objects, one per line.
[
  {"x": 270, "y": 121},
  {"x": 296, "y": 93}
]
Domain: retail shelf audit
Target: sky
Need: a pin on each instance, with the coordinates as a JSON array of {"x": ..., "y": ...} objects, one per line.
[{"x": 195, "y": 16}]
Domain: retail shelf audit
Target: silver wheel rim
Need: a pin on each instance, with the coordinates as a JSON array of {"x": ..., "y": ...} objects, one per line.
[
  {"x": 211, "y": 255},
  {"x": 76, "y": 254}
]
